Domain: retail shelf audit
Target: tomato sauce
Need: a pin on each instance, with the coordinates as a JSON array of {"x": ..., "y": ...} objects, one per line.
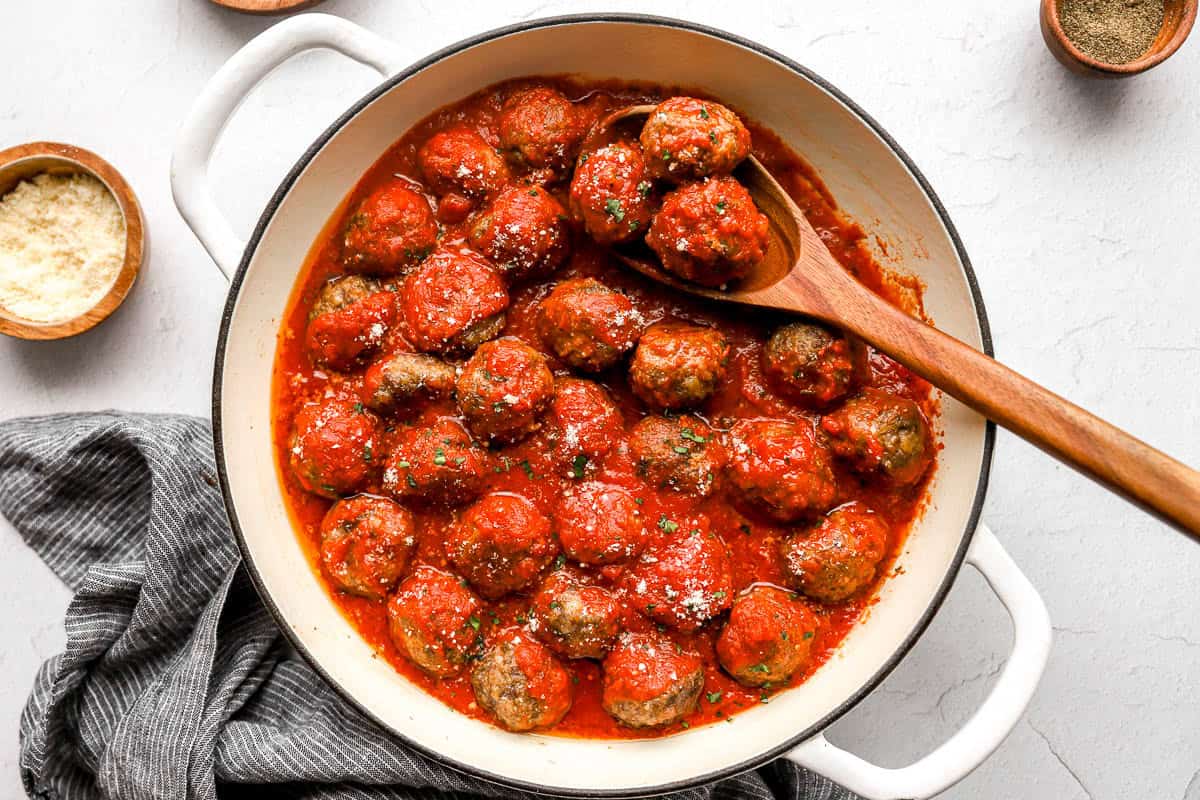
[{"x": 527, "y": 468}]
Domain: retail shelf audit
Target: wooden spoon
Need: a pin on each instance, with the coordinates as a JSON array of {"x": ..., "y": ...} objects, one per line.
[{"x": 799, "y": 274}]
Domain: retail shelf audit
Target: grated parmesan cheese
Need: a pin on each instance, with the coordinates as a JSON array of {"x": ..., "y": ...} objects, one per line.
[{"x": 62, "y": 243}]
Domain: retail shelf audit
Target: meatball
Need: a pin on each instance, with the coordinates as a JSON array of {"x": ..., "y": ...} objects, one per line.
[
  {"x": 433, "y": 619},
  {"x": 684, "y": 579},
  {"x": 334, "y": 447},
  {"x": 779, "y": 467},
  {"x": 649, "y": 681},
  {"x": 398, "y": 380},
  {"x": 504, "y": 389},
  {"x": 877, "y": 432},
  {"x": 599, "y": 523},
  {"x": 584, "y": 422},
  {"x": 461, "y": 168},
  {"x": 677, "y": 365},
  {"x": 587, "y": 325},
  {"x": 768, "y": 637},
  {"x": 365, "y": 544},
  {"x": 573, "y": 619},
  {"x": 812, "y": 365},
  {"x": 523, "y": 231},
  {"x": 610, "y": 193},
  {"x": 541, "y": 129},
  {"x": 453, "y": 302},
  {"x": 348, "y": 321},
  {"x": 709, "y": 232},
  {"x": 391, "y": 231},
  {"x": 836, "y": 558},
  {"x": 436, "y": 463},
  {"x": 686, "y": 138},
  {"x": 681, "y": 453},
  {"x": 501, "y": 544},
  {"x": 521, "y": 682}
]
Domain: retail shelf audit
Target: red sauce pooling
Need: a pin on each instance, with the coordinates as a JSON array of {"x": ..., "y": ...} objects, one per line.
[{"x": 529, "y": 468}]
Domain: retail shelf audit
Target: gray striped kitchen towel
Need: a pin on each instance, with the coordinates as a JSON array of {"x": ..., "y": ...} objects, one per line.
[{"x": 175, "y": 682}]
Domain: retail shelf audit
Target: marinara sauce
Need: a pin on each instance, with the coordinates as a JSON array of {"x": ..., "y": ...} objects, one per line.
[{"x": 331, "y": 365}]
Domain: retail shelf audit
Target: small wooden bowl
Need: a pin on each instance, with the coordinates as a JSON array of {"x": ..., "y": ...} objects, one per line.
[
  {"x": 1178, "y": 18},
  {"x": 26, "y": 160},
  {"x": 266, "y": 6}
]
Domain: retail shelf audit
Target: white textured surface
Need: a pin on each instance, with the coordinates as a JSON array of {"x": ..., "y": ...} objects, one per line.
[{"x": 1076, "y": 203}]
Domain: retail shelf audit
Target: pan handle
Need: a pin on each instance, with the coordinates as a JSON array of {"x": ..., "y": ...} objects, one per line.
[
  {"x": 991, "y": 724},
  {"x": 226, "y": 90}
]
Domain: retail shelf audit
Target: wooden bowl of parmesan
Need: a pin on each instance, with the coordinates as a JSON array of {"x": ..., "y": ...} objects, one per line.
[{"x": 72, "y": 239}]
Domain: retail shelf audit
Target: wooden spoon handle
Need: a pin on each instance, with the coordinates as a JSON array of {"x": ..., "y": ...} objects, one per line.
[{"x": 1129, "y": 466}]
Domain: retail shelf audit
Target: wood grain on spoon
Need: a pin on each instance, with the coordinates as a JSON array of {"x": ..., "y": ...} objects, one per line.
[{"x": 800, "y": 275}]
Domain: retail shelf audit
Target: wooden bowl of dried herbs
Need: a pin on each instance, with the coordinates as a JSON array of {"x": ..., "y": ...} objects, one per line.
[{"x": 1115, "y": 38}]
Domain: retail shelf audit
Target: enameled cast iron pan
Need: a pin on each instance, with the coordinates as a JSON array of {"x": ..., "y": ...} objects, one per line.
[{"x": 871, "y": 178}]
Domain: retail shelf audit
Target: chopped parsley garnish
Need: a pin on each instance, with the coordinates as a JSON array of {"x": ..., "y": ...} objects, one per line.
[
  {"x": 760, "y": 668},
  {"x": 720, "y": 206},
  {"x": 474, "y": 622},
  {"x": 633, "y": 225},
  {"x": 783, "y": 635},
  {"x": 717, "y": 595},
  {"x": 712, "y": 137},
  {"x": 745, "y": 528},
  {"x": 808, "y": 635},
  {"x": 714, "y": 697},
  {"x": 666, "y": 155},
  {"x": 692, "y": 436},
  {"x": 459, "y": 459},
  {"x": 559, "y": 561},
  {"x": 367, "y": 453},
  {"x": 412, "y": 482},
  {"x": 678, "y": 448},
  {"x": 555, "y": 605},
  {"x": 583, "y": 158},
  {"x": 685, "y": 724},
  {"x": 579, "y": 465},
  {"x": 574, "y": 678},
  {"x": 703, "y": 112},
  {"x": 403, "y": 464},
  {"x": 644, "y": 188},
  {"x": 358, "y": 408},
  {"x": 614, "y": 209},
  {"x": 639, "y": 501},
  {"x": 528, "y": 469},
  {"x": 666, "y": 525},
  {"x": 439, "y": 457},
  {"x": 533, "y": 192}
]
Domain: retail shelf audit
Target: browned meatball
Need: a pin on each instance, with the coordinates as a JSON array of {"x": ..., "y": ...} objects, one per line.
[
  {"x": 768, "y": 637},
  {"x": 599, "y": 523},
  {"x": 453, "y": 302},
  {"x": 611, "y": 193},
  {"x": 584, "y": 422},
  {"x": 437, "y": 463},
  {"x": 780, "y": 468},
  {"x": 365, "y": 544},
  {"x": 677, "y": 365},
  {"x": 335, "y": 447},
  {"x": 881, "y": 433},
  {"x": 812, "y": 365},
  {"x": 400, "y": 380},
  {"x": 523, "y": 231},
  {"x": 501, "y": 544},
  {"x": 522, "y": 683},
  {"x": 391, "y": 231},
  {"x": 685, "y": 578},
  {"x": 461, "y": 168},
  {"x": 540, "y": 128},
  {"x": 574, "y": 619},
  {"x": 348, "y": 321},
  {"x": 504, "y": 389},
  {"x": 433, "y": 619},
  {"x": 709, "y": 232},
  {"x": 687, "y": 138},
  {"x": 587, "y": 325},
  {"x": 649, "y": 681},
  {"x": 681, "y": 453},
  {"x": 838, "y": 557}
]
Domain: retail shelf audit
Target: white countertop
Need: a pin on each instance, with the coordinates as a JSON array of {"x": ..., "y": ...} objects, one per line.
[{"x": 1076, "y": 201}]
